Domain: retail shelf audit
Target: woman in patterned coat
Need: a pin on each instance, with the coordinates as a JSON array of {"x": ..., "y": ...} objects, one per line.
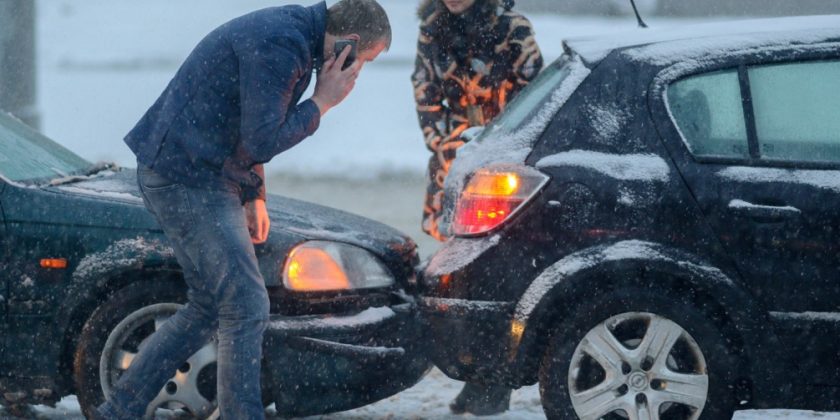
[{"x": 473, "y": 57}]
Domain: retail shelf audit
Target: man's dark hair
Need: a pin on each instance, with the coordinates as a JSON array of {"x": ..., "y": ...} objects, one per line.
[{"x": 364, "y": 17}]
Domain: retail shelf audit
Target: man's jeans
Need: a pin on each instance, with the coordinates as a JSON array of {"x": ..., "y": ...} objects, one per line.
[{"x": 209, "y": 233}]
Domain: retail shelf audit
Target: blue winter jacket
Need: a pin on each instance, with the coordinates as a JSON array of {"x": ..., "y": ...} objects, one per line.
[{"x": 235, "y": 102}]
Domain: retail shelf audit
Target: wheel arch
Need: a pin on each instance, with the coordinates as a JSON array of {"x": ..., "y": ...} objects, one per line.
[
  {"x": 98, "y": 276},
  {"x": 638, "y": 264}
]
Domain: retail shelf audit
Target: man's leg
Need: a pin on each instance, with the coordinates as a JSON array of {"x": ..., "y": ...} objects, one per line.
[
  {"x": 226, "y": 261},
  {"x": 216, "y": 243},
  {"x": 186, "y": 331},
  {"x": 167, "y": 349}
]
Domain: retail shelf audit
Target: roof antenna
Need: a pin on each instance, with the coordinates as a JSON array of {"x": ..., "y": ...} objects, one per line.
[{"x": 642, "y": 23}]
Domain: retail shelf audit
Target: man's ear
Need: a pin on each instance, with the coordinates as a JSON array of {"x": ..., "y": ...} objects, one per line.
[{"x": 354, "y": 37}]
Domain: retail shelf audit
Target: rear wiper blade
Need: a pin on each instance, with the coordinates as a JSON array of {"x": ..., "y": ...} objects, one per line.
[
  {"x": 99, "y": 167},
  {"x": 89, "y": 173}
]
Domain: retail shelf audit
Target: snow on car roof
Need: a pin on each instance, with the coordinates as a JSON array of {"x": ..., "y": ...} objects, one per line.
[{"x": 664, "y": 46}]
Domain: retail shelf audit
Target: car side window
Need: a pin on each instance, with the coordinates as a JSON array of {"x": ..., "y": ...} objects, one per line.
[
  {"x": 708, "y": 111},
  {"x": 797, "y": 110}
]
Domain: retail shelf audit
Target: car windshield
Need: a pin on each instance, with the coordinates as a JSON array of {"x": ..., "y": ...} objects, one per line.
[
  {"x": 534, "y": 96},
  {"x": 28, "y": 156}
]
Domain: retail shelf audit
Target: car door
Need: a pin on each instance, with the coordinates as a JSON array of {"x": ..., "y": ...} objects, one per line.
[{"x": 763, "y": 162}]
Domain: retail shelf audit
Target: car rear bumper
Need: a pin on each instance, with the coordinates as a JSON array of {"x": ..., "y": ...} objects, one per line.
[
  {"x": 346, "y": 361},
  {"x": 471, "y": 338}
]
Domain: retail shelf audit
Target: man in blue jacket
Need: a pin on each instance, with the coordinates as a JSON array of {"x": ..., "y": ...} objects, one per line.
[{"x": 234, "y": 104}]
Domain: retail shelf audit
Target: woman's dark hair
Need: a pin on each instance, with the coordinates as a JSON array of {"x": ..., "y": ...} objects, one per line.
[
  {"x": 460, "y": 35},
  {"x": 366, "y": 18},
  {"x": 426, "y": 5}
]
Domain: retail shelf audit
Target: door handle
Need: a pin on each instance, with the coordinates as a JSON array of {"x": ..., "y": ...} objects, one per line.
[{"x": 763, "y": 213}]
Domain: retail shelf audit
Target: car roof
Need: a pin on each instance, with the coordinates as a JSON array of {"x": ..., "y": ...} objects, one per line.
[{"x": 671, "y": 45}]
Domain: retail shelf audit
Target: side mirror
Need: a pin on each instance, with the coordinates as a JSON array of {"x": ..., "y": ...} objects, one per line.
[{"x": 471, "y": 133}]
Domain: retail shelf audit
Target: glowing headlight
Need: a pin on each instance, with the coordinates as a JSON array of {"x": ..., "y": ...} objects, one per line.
[{"x": 319, "y": 266}]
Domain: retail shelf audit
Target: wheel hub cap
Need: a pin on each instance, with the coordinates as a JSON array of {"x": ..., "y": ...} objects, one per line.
[{"x": 638, "y": 381}]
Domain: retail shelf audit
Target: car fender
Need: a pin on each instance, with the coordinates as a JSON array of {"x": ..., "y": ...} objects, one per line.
[
  {"x": 101, "y": 272},
  {"x": 126, "y": 254},
  {"x": 636, "y": 263},
  {"x": 121, "y": 262}
]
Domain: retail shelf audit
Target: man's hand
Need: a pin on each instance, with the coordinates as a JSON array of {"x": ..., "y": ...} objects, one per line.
[
  {"x": 258, "y": 220},
  {"x": 335, "y": 84}
]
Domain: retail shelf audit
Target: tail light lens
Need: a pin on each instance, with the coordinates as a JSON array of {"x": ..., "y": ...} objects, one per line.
[{"x": 493, "y": 196}]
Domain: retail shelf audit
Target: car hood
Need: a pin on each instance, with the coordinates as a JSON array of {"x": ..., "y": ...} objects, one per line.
[
  {"x": 306, "y": 220},
  {"x": 315, "y": 222}
]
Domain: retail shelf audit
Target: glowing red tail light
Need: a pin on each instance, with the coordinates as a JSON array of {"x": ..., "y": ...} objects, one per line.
[{"x": 492, "y": 196}]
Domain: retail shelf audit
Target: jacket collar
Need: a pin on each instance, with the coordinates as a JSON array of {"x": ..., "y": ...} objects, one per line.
[{"x": 318, "y": 31}]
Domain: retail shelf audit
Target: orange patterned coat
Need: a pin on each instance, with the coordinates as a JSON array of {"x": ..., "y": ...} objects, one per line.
[{"x": 468, "y": 68}]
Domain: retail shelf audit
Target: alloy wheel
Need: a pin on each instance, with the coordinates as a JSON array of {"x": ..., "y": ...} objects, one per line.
[
  {"x": 638, "y": 366},
  {"x": 192, "y": 388}
]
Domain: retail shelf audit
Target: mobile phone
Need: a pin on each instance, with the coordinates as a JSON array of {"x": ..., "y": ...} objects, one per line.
[{"x": 339, "y": 47}]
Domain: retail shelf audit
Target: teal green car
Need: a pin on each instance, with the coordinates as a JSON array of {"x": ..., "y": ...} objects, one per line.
[{"x": 88, "y": 275}]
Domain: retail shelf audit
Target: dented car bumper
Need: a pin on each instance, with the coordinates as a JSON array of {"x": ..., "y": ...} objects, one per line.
[{"x": 346, "y": 360}]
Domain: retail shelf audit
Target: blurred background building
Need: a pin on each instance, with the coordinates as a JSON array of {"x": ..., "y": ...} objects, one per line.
[{"x": 17, "y": 60}]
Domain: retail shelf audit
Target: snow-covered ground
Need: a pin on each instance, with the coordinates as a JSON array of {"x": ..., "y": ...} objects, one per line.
[
  {"x": 430, "y": 400},
  {"x": 103, "y": 62}
]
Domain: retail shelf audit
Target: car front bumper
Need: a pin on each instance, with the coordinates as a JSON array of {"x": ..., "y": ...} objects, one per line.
[{"x": 321, "y": 364}]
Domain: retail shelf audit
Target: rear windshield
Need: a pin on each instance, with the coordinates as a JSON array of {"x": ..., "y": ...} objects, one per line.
[
  {"x": 534, "y": 96},
  {"x": 27, "y": 156}
]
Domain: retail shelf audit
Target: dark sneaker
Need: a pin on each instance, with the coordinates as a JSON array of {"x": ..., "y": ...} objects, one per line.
[{"x": 481, "y": 400}]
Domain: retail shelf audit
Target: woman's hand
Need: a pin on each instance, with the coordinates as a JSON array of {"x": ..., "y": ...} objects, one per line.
[{"x": 258, "y": 220}]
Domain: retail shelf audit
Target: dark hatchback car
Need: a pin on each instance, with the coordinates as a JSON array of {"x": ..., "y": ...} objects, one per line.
[
  {"x": 650, "y": 230},
  {"x": 88, "y": 275}
]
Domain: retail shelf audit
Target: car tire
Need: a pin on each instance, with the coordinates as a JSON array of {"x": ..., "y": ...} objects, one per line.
[
  {"x": 584, "y": 375},
  {"x": 121, "y": 305}
]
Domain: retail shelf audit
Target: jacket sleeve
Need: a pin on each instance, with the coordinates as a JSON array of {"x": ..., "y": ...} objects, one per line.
[
  {"x": 260, "y": 171},
  {"x": 524, "y": 54},
  {"x": 250, "y": 193},
  {"x": 270, "y": 122},
  {"x": 428, "y": 95}
]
